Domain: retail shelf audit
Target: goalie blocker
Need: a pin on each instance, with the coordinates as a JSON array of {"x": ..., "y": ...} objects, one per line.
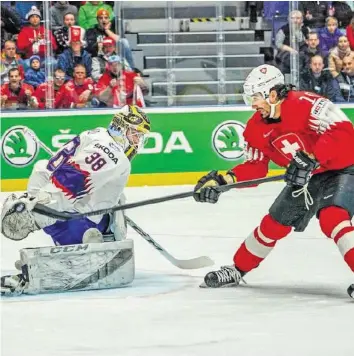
[{"x": 73, "y": 268}]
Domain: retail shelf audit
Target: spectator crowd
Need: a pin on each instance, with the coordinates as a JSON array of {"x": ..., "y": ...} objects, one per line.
[
  {"x": 81, "y": 62},
  {"x": 84, "y": 62},
  {"x": 324, "y": 37}
]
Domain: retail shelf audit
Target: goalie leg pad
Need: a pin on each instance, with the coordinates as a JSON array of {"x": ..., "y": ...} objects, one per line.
[
  {"x": 79, "y": 267},
  {"x": 119, "y": 224}
]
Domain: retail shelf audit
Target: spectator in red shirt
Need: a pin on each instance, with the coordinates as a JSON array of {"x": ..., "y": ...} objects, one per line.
[
  {"x": 118, "y": 87},
  {"x": 76, "y": 93},
  {"x": 350, "y": 34},
  {"x": 15, "y": 94},
  {"x": 31, "y": 39},
  {"x": 9, "y": 59},
  {"x": 46, "y": 95}
]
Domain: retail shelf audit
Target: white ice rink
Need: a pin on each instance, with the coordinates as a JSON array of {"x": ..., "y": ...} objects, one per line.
[{"x": 295, "y": 304}]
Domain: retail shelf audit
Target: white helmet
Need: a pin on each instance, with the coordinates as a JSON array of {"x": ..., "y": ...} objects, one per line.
[{"x": 261, "y": 80}]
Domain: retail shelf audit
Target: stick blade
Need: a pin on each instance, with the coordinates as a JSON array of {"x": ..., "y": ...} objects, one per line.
[{"x": 194, "y": 263}]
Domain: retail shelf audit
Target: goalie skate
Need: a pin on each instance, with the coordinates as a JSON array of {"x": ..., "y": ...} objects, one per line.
[
  {"x": 350, "y": 291},
  {"x": 226, "y": 276}
]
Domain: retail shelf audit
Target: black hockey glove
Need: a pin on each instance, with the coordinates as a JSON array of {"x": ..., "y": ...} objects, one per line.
[
  {"x": 300, "y": 169},
  {"x": 205, "y": 192}
]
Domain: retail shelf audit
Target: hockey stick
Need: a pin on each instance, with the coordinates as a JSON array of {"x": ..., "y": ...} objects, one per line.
[
  {"x": 194, "y": 263},
  {"x": 44, "y": 210}
]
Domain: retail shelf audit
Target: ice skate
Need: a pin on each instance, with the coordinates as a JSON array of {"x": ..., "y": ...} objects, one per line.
[{"x": 226, "y": 276}]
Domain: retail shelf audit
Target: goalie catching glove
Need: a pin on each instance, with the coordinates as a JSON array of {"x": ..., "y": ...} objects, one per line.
[
  {"x": 17, "y": 218},
  {"x": 205, "y": 192},
  {"x": 300, "y": 169}
]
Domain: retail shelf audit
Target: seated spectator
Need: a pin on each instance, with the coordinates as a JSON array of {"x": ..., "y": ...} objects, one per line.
[
  {"x": 312, "y": 49},
  {"x": 15, "y": 94},
  {"x": 106, "y": 48},
  {"x": 105, "y": 28},
  {"x": 34, "y": 75},
  {"x": 75, "y": 54},
  {"x": 342, "y": 12},
  {"x": 9, "y": 59},
  {"x": 282, "y": 40},
  {"x": 346, "y": 78},
  {"x": 329, "y": 35},
  {"x": 23, "y": 7},
  {"x": 350, "y": 33},
  {"x": 31, "y": 39},
  {"x": 76, "y": 93},
  {"x": 118, "y": 87},
  {"x": 314, "y": 12},
  {"x": 59, "y": 10},
  {"x": 10, "y": 24},
  {"x": 61, "y": 34},
  {"x": 336, "y": 55},
  {"x": 320, "y": 81},
  {"x": 45, "y": 96},
  {"x": 88, "y": 13}
]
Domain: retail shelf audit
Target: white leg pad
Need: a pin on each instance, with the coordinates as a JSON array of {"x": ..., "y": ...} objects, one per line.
[
  {"x": 119, "y": 224},
  {"x": 79, "y": 267}
]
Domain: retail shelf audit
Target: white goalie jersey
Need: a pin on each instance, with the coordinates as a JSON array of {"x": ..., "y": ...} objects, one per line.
[{"x": 88, "y": 173}]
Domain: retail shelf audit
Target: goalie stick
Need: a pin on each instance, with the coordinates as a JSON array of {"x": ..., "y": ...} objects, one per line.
[{"x": 194, "y": 263}]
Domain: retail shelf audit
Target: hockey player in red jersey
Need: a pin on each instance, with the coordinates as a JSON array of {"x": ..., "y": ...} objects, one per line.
[{"x": 314, "y": 140}]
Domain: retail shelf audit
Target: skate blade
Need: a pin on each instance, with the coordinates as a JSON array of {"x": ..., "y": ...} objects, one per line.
[{"x": 232, "y": 285}]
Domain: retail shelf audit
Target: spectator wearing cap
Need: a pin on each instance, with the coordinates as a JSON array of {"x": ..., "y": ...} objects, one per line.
[
  {"x": 105, "y": 28},
  {"x": 336, "y": 55},
  {"x": 34, "y": 75},
  {"x": 15, "y": 94},
  {"x": 316, "y": 79},
  {"x": 46, "y": 95},
  {"x": 118, "y": 87},
  {"x": 61, "y": 34},
  {"x": 88, "y": 13},
  {"x": 76, "y": 93},
  {"x": 9, "y": 59},
  {"x": 59, "y": 10},
  {"x": 106, "y": 48},
  {"x": 75, "y": 54},
  {"x": 31, "y": 39},
  {"x": 329, "y": 35}
]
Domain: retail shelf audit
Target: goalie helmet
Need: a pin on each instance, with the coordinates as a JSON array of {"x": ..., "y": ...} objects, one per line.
[
  {"x": 129, "y": 127},
  {"x": 261, "y": 80}
]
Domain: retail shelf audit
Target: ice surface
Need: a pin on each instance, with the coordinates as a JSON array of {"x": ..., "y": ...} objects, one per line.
[{"x": 294, "y": 304}]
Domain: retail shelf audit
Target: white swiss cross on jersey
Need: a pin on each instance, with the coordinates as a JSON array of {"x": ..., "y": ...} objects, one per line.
[{"x": 288, "y": 145}]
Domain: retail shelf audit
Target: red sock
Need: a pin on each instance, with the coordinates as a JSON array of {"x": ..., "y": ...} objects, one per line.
[
  {"x": 336, "y": 224},
  {"x": 259, "y": 243}
]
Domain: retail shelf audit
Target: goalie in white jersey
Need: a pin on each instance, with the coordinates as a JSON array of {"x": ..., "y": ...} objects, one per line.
[{"x": 88, "y": 173}]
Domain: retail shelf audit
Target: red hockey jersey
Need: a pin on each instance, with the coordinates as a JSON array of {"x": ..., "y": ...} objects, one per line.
[{"x": 309, "y": 123}]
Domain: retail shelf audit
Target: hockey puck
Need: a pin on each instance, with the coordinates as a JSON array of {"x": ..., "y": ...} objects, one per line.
[{"x": 350, "y": 291}]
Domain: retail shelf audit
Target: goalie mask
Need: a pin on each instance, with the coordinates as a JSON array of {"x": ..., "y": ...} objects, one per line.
[
  {"x": 261, "y": 81},
  {"x": 129, "y": 127}
]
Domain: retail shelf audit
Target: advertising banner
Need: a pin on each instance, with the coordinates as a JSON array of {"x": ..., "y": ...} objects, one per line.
[{"x": 181, "y": 146}]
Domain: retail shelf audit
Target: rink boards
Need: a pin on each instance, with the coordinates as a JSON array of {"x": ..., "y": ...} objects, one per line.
[{"x": 183, "y": 145}]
